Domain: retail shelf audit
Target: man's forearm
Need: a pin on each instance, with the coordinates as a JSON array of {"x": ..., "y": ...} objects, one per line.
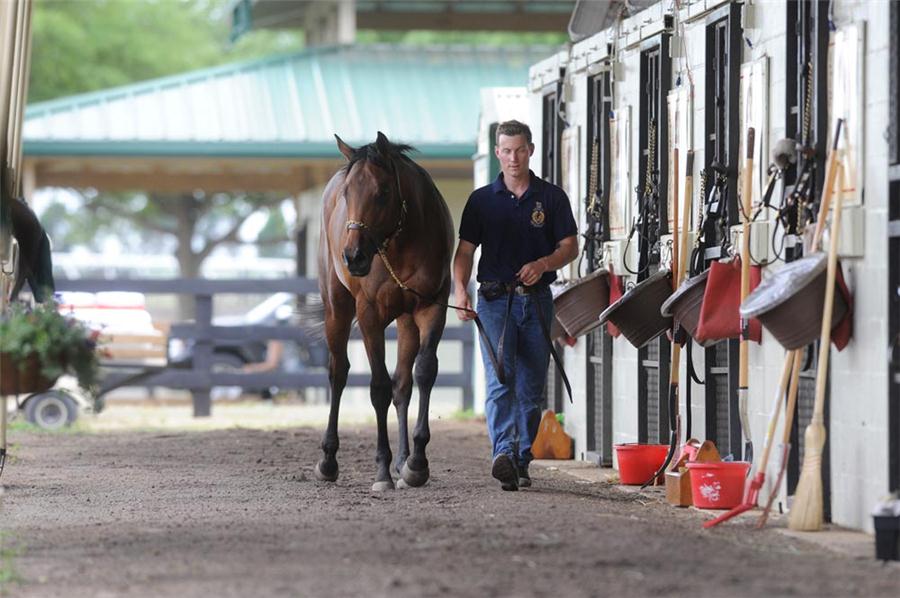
[
  {"x": 560, "y": 257},
  {"x": 462, "y": 271}
]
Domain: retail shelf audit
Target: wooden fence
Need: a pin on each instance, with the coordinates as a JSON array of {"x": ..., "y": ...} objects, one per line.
[{"x": 199, "y": 377}]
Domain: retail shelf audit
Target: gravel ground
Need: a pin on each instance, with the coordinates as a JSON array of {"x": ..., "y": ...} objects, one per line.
[{"x": 237, "y": 513}]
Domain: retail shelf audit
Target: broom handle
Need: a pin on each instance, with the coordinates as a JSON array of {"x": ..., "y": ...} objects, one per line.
[
  {"x": 825, "y": 340},
  {"x": 828, "y": 190},
  {"x": 686, "y": 213},
  {"x": 744, "y": 350},
  {"x": 676, "y": 239},
  {"x": 747, "y": 205},
  {"x": 796, "y": 356},
  {"x": 681, "y": 266},
  {"x": 779, "y": 400}
]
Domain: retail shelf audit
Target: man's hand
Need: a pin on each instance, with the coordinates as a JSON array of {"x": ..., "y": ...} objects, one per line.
[
  {"x": 461, "y": 299},
  {"x": 531, "y": 272}
]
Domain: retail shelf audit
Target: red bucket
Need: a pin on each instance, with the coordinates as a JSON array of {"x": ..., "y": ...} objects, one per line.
[
  {"x": 638, "y": 462},
  {"x": 718, "y": 485}
]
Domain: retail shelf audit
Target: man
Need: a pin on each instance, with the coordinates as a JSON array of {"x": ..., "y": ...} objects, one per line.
[{"x": 526, "y": 229}]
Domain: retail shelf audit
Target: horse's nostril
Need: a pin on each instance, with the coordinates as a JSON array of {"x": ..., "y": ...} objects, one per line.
[{"x": 353, "y": 257}]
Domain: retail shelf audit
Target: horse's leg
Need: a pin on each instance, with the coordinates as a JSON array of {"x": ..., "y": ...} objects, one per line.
[
  {"x": 338, "y": 321},
  {"x": 431, "y": 322},
  {"x": 380, "y": 390},
  {"x": 407, "y": 347}
]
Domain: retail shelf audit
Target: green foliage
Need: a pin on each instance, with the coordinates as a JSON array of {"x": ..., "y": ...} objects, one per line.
[
  {"x": 86, "y": 45},
  {"x": 465, "y": 415},
  {"x": 8, "y": 573},
  {"x": 61, "y": 345}
]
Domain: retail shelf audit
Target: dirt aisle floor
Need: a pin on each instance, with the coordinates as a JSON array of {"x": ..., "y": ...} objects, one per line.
[{"x": 237, "y": 513}]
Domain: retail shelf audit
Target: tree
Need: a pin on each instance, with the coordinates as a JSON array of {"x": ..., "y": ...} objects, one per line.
[{"x": 86, "y": 45}]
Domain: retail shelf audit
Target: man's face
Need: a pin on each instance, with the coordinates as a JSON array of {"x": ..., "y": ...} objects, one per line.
[{"x": 514, "y": 153}]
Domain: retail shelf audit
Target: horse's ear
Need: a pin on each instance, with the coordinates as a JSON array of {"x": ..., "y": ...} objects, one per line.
[
  {"x": 345, "y": 149},
  {"x": 383, "y": 145}
]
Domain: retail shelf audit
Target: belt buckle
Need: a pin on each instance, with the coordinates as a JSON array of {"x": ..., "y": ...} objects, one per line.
[{"x": 522, "y": 289}]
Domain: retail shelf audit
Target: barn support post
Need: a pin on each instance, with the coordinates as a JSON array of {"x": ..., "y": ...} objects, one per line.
[{"x": 203, "y": 353}]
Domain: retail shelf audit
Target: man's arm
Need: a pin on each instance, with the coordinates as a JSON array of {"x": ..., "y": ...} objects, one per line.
[
  {"x": 462, "y": 272},
  {"x": 565, "y": 252}
]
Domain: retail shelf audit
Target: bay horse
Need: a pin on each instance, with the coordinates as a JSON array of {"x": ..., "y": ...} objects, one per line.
[{"x": 383, "y": 204}]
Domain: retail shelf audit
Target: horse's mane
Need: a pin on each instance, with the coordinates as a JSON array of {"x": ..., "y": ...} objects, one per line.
[{"x": 371, "y": 153}]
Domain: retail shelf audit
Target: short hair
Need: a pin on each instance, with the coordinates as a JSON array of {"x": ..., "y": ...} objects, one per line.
[{"x": 511, "y": 128}]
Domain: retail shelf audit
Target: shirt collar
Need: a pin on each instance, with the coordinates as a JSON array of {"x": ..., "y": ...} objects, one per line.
[{"x": 534, "y": 185}]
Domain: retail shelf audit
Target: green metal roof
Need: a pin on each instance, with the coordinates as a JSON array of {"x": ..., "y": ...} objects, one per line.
[{"x": 289, "y": 106}]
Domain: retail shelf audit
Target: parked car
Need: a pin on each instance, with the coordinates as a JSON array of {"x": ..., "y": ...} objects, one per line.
[{"x": 233, "y": 355}]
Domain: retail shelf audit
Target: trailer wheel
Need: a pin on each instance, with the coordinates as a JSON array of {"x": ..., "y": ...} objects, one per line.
[{"x": 51, "y": 410}]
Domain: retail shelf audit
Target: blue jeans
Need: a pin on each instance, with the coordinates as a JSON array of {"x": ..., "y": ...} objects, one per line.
[{"x": 514, "y": 409}]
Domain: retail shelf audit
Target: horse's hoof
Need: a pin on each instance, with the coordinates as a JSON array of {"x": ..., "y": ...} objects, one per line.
[
  {"x": 414, "y": 478},
  {"x": 402, "y": 485},
  {"x": 324, "y": 477},
  {"x": 383, "y": 486}
]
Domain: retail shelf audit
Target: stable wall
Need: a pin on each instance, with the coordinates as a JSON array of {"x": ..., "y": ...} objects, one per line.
[{"x": 858, "y": 407}]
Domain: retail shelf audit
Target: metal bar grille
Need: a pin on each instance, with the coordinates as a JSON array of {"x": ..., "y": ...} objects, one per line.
[
  {"x": 894, "y": 260},
  {"x": 723, "y": 47},
  {"x": 653, "y": 359},
  {"x": 599, "y": 343}
]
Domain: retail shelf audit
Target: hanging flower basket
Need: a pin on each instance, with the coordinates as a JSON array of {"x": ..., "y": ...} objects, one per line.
[
  {"x": 22, "y": 378},
  {"x": 38, "y": 345}
]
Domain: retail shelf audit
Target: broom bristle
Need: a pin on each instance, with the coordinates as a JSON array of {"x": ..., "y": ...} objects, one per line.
[{"x": 806, "y": 512}]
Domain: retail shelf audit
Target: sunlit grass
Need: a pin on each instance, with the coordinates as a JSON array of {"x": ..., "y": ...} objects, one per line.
[
  {"x": 8, "y": 574},
  {"x": 148, "y": 415}
]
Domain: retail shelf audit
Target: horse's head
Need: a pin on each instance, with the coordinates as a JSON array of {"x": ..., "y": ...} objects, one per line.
[{"x": 375, "y": 205}]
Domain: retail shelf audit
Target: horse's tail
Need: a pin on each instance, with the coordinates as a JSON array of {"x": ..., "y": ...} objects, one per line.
[{"x": 312, "y": 317}]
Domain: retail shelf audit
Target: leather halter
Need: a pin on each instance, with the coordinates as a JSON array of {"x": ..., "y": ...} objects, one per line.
[{"x": 360, "y": 225}]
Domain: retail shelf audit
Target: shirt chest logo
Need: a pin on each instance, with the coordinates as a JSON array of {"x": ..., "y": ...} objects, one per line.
[{"x": 537, "y": 215}]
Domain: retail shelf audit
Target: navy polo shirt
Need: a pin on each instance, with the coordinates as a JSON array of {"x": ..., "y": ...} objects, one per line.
[{"x": 513, "y": 232}]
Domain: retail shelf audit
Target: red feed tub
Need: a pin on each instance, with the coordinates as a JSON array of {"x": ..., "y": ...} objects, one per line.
[
  {"x": 637, "y": 462},
  {"x": 718, "y": 485}
]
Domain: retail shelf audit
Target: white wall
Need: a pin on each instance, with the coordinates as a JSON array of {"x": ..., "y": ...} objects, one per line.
[{"x": 859, "y": 451}]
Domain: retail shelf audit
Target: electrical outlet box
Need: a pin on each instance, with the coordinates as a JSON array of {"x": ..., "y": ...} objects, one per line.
[
  {"x": 613, "y": 256},
  {"x": 760, "y": 241},
  {"x": 666, "y": 249},
  {"x": 853, "y": 228}
]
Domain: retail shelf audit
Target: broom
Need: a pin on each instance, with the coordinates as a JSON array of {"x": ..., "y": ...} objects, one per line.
[
  {"x": 824, "y": 207},
  {"x": 806, "y": 514},
  {"x": 744, "y": 355}
]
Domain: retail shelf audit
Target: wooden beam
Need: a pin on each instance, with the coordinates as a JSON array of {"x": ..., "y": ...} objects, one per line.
[
  {"x": 459, "y": 21},
  {"x": 183, "y": 175}
]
